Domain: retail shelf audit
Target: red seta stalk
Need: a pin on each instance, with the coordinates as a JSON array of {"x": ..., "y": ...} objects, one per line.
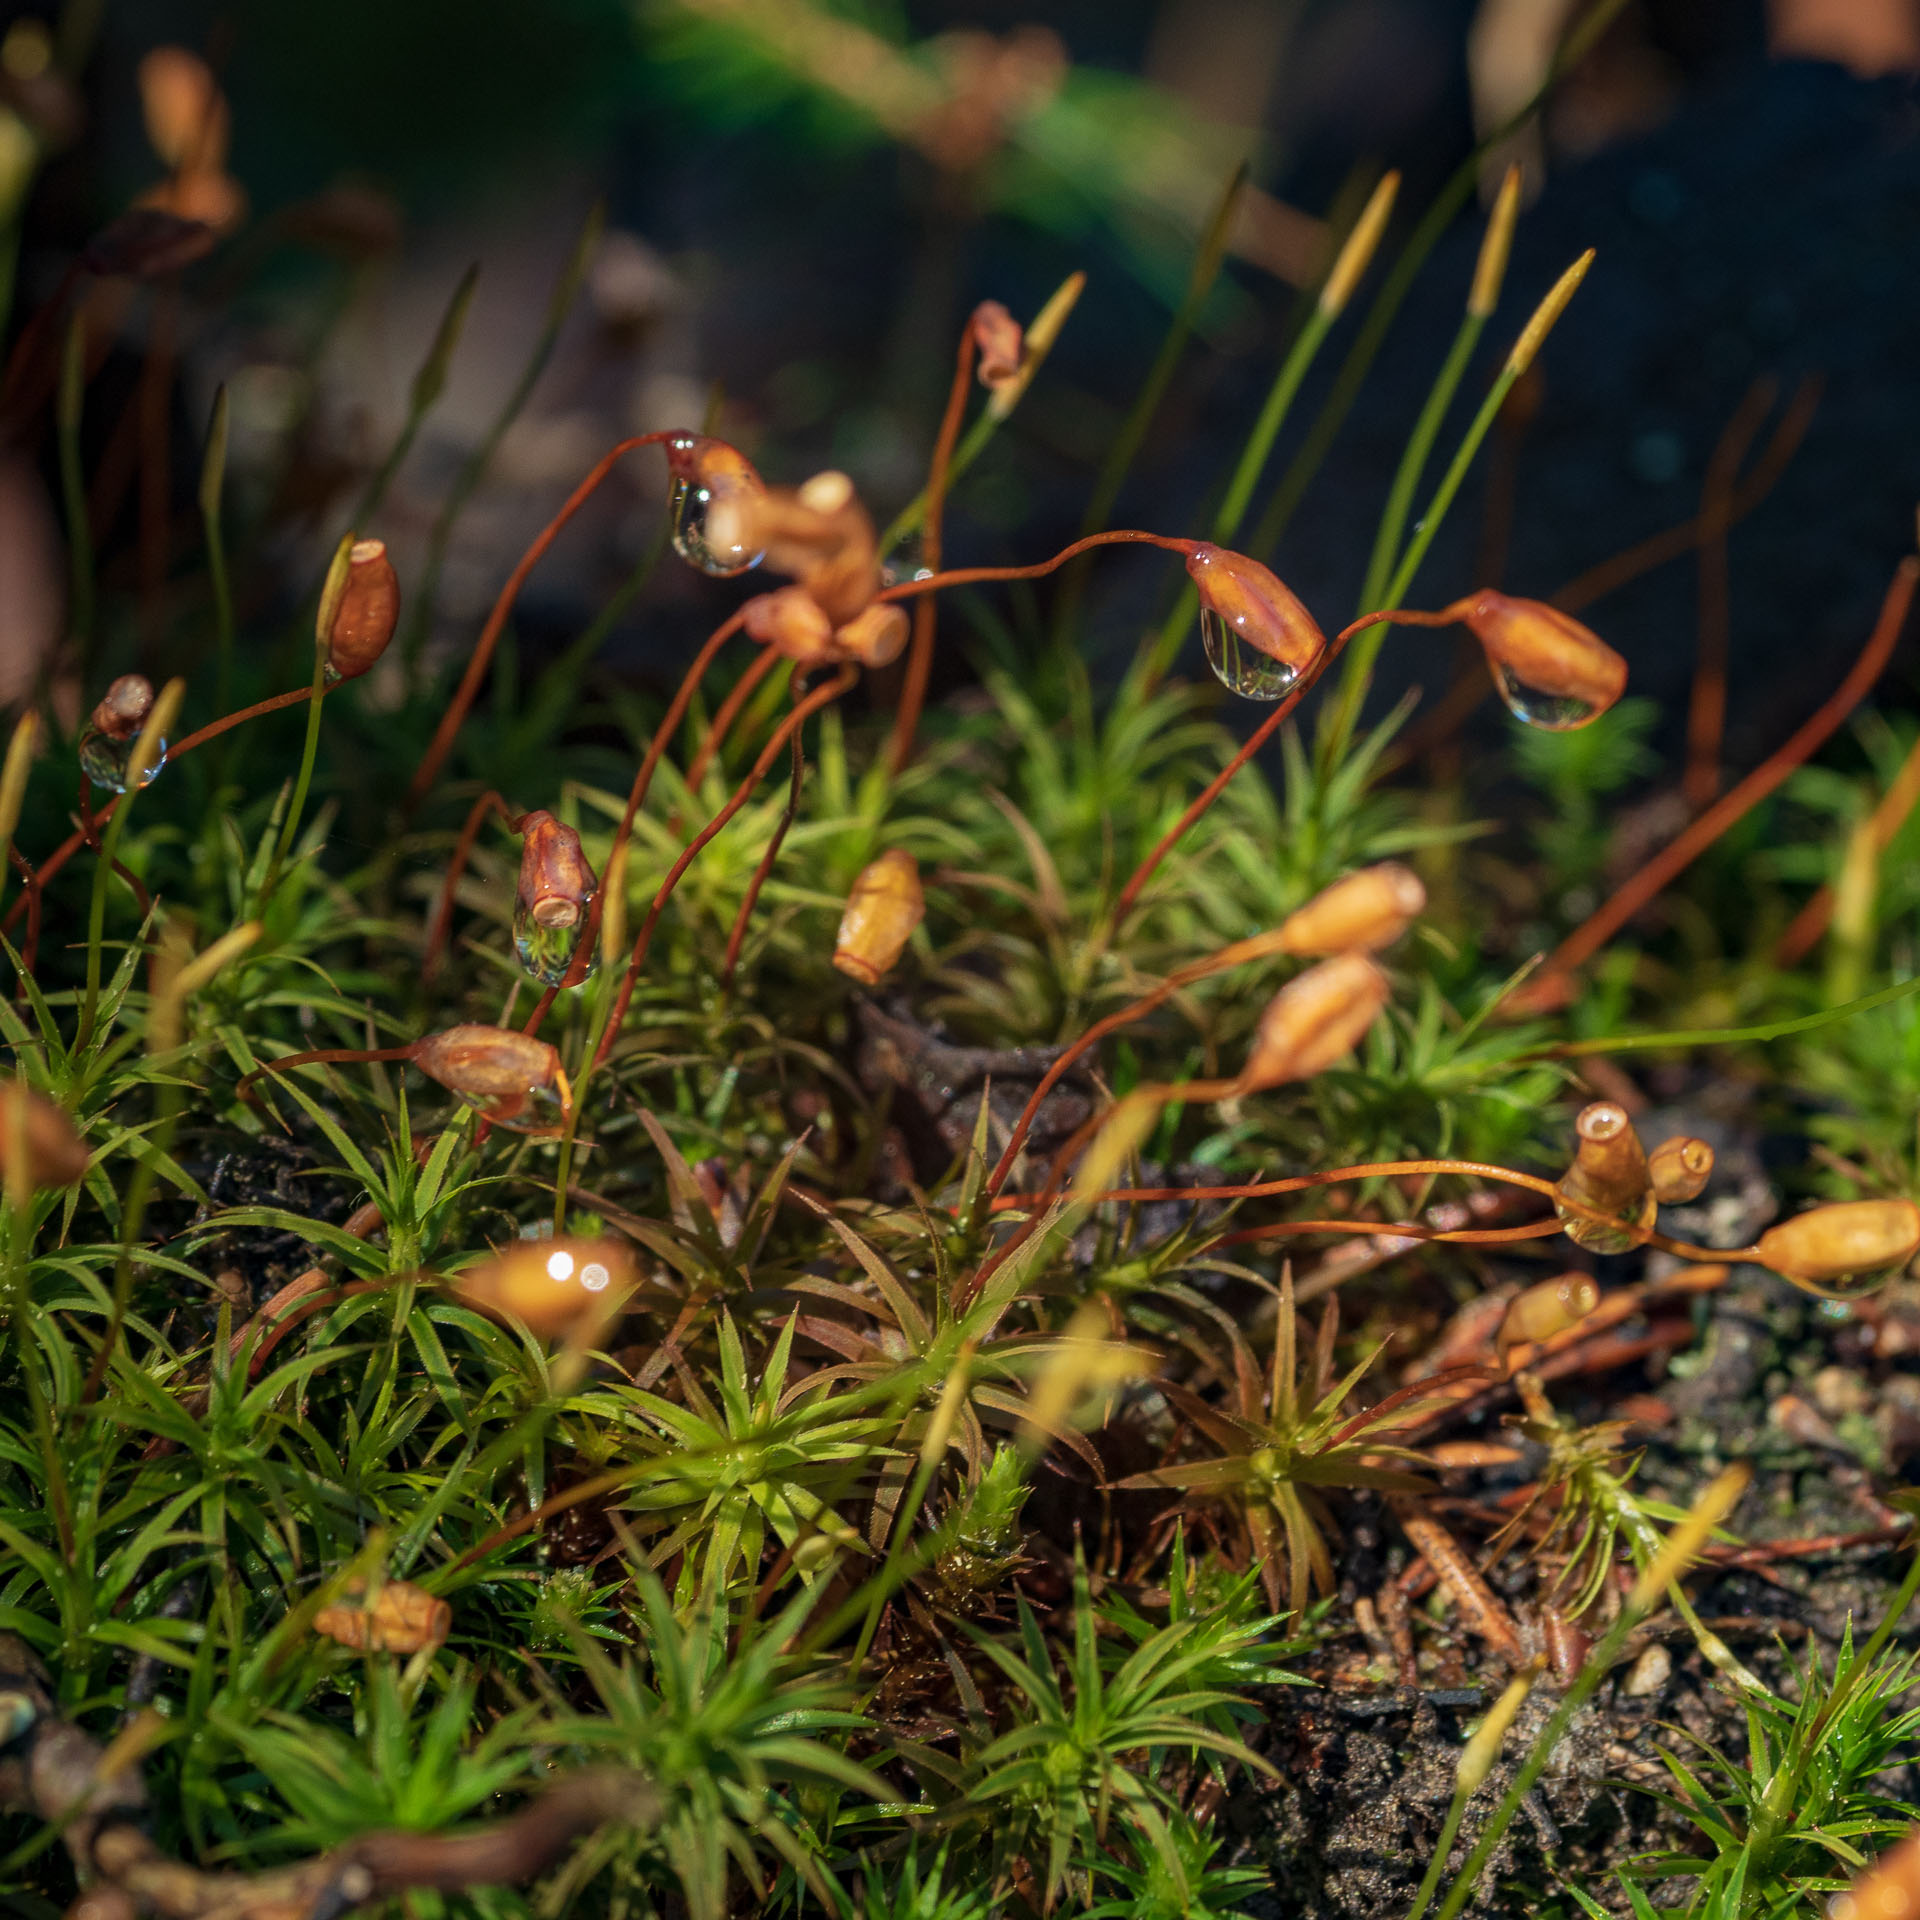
[
  {"x": 450, "y": 722},
  {"x": 751, "y": 898},
  {"x": 721, "y": 725},
  {"x": 803, "y": 710},
  {"x": 913, "y": 689},
  {"x": 442, "y": 921}
]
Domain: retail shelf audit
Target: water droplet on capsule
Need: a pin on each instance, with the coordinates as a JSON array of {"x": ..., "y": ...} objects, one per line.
[
  {"x": 104, "y": 758},
  {"x": 1552, "y": 712},
  {"x": 697, "y": 485},
  {"x": 1241, "y": 667},
  {"x": 547, "y": 936}
]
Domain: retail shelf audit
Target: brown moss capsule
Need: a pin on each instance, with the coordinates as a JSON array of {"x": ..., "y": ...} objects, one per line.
[
  {"x": 1609, "y": 1176},
  {"x": 819, "y": 534},
  {"x": 875, "y": 636},
  {"x": 789, "y": 621},
  {"x": 883, "y": 909},
  {"x": 1314, "y": 1020},
  {"x": 56, "y": 1155},
  {"x": 124, "y": 707},
  {"x": 550, "y": 906},
  {"x": 514, "y": 1080},
  {"x": 400, "y": 1618},
  {"x": 358, "y": 618},
  {"x": 997, "y": 339},
  {"x": 1364, "y": 912},
  {"x": 1856, "y": 1237},
  {"x": 1568, "y": 1644},
  {"x": 1888, "y": 1890},
  {"x": 1680, "y": 1169},
  {"x": 552, "y": 1286},
  {"x": 1258, "y": 636},
  {"x": 1550, "y": 670},
  {"x": 1546, "y": 1308}
]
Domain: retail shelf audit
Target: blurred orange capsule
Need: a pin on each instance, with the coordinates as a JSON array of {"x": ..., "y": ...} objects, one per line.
[
  {"x": 1550, "y": 670},
  {"x": 56, "y": 1155},
  {"x": 1258, "y": 636},
  {"x": 1680, "y": 1169},
  {"x": 996, "y": 336},
  {"x": 1609, "y": 1176},
  {"x": 1364, "y": 912},
  {"x": 1889, "y": 1889},
  {"x": 1546, "y": 1308},
  {"x": 875, "y": 635},
  {"x": 553, "y": 1286},
  {"x": 789, "y": 621},
  {"x": 362, "y": 614},
  {"x": 883, "y": 909},
  {"x": 186, "y": 117},
  {"x": 400, "y": 1618},
  {"x": 1314, "y": 1020},
  {"x": 513, "y": 1079},
  {"x": 1855, "y": 1237}
]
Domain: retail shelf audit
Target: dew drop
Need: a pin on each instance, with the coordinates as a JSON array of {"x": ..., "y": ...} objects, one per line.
[
  {"x": 104, "y": 758},
  {"x": 1240, "y": 666},
  {"x": 547, "y": 936},
  {"x": 1552, "y": 712},
  {"x": 1602, "y": 1236},
  {"x": 690, "y": 504},
  {"x": 907, "y": 561}
]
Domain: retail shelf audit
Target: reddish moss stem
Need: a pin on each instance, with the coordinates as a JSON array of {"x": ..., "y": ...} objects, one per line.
[
  {"x": 913, "y": 688},
  {"x": 1813, "y": 733},
  {"x": 802, "y": 712},
  {"x": 442, "y": 921},
  {"x": 751, "y": 898},
  {"x": 477, "y": 663}
]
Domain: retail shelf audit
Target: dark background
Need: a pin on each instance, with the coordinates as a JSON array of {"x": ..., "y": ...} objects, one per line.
[{"x": 1750, "y": 176}]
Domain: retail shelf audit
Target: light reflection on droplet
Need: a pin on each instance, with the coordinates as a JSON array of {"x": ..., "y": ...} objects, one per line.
[
  {"x": 104, "y": 759},
  {"x": 594, "y": 1277},
  {"x": 690, "y": 506},
  {"x": 1241, "y": 667},
  {"x": 560, "y": 1264},
  {"x": 547, "y": 936},
  {"x": 1552, "y": 712}
]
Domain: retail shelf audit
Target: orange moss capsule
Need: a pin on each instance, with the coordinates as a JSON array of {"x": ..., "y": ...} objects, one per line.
[
  {"x": 124, "y": 707},
  {"x": 400, "y": 1618},
  {"x": 1258, "y": 636},
  {"x": 1889, "y": 1889},
  {"x": 186, "y": 118},
  {"x": 56, "y": 1155},
  {"x": 883, "y": 909},
  {"x": 1364, "y": 912},
  {"x": 1856, "y": 1237},
  {"x": 997, "y": 339},
  {"x": 553, "y": 1286},
  {"x": 819, "y": 534},
  {"x": 1680, "y": 1169},
  {"x": 513, "y": 1079},
  {"x": 1550, "y": 670},
  {"x": 1546, "y": 1308},
  {"x": 789, "y": 621},
  {"x": 1609, "y": 1174},
  {"x": 875, "y": 636},
  {"x": 363, "y": 612},
  {"x": 1314, "y": 1020},
  {"x": 550, "y": 906}
]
